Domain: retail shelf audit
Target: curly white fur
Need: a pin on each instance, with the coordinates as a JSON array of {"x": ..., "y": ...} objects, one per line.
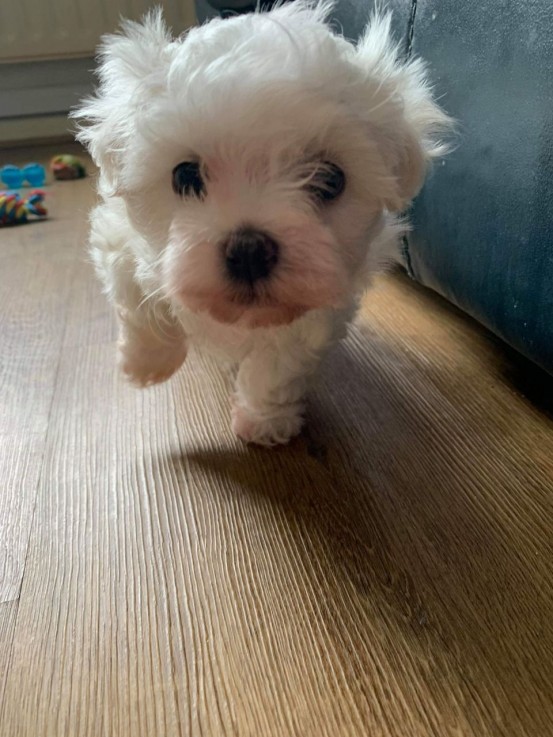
[{"x": 255, "y": 100}]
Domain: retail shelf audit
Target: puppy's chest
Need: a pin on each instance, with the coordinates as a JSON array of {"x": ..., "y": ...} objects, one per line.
[{"x": 225, "y": 342}]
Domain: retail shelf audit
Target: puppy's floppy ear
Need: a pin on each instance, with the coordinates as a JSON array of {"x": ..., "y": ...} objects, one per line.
[
  {"x": 131, "y": 65},
  {"x": 400, "y": 111}
]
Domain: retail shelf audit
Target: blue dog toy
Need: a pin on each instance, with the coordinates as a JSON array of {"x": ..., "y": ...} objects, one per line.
[{"x": 33, "y": 175}]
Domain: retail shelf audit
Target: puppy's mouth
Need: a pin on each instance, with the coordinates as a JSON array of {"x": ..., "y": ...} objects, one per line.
[
  {"x": 258, "y": 307},
  {"x": 248, "y": 308}
]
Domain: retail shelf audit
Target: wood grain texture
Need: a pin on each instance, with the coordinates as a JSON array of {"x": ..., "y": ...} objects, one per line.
[
  {"x": 32, "y": 301},
  {"x": 389, "y": 574},
  {"x": 37, "y": 263},
  {"x": 8, "y": 618}
]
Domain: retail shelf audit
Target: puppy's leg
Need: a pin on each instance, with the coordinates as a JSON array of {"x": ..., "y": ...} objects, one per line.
[
  {"x": 268, "y": 403},
  {"x": 152, "y": 342}
]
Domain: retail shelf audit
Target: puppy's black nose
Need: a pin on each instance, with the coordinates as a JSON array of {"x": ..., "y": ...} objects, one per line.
[{"x": 250, "y": 255}]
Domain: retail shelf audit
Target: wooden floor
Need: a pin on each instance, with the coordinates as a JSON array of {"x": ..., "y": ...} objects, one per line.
[{"x": 390, "y": 574}]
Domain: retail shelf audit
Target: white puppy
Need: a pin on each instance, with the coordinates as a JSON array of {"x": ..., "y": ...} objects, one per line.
[{"x": 249, "y": 175}]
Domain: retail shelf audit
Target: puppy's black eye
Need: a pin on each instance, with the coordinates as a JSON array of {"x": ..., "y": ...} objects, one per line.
[
  {"x": 187, "y": 179},
  {"x": 328, "y": 182}
]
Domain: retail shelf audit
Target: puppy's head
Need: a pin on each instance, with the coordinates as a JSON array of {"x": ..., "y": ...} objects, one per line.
[{"x": 259, "y": 155}]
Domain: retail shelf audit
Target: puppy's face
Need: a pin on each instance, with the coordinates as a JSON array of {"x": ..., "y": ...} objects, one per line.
[
  {"x": 270, "y": 212},
  {"x": 257, "y": 157}
]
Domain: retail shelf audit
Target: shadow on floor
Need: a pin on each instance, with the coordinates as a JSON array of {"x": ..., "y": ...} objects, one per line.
[{"x": 385, "y": 485}]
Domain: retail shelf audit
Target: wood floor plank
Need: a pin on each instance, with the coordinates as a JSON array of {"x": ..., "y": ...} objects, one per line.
[
  {"x": 8, "y": 617},
  {"x": 20, "y": 465},
  {"x": 39, "y": 263},
  {"x": 33, "y": 296},
  {"x": 33, "y": 307}
]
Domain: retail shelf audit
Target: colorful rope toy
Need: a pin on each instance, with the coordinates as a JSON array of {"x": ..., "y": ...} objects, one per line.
[
  {"x": 15, "y": 210},
  {"x": 67, "y": 166}
]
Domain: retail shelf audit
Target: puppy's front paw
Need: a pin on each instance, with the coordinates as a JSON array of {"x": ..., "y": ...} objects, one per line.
[
  {"x": 266, "y": 430},
  {"x": 147, "y": 365}
]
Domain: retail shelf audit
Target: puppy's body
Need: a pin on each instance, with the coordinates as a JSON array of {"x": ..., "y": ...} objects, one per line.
[{"x": 249, "y": 176}]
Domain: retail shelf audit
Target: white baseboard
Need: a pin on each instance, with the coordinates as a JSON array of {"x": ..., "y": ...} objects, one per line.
[
  {"x": 35, "y": 98},
  {"x": 36, "y": 129},
  {"x": 44, "y": 87}
]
